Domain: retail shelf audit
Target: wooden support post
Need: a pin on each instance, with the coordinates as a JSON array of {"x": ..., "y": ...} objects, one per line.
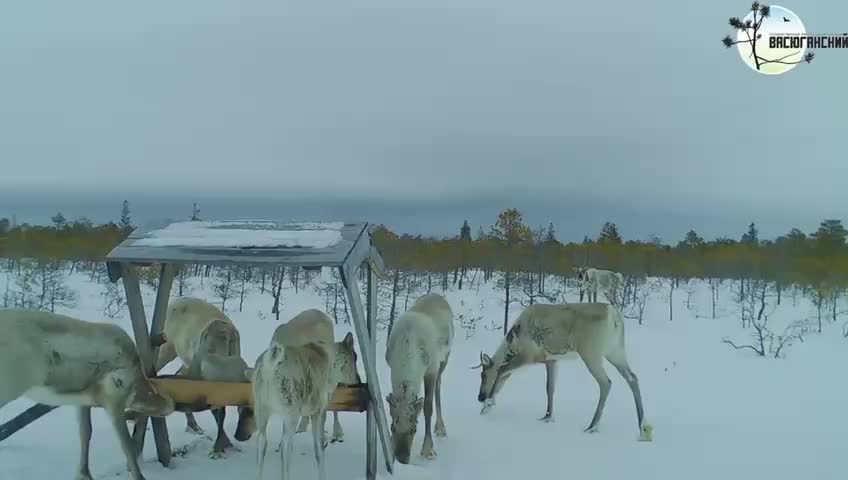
[
  {"x": 147, "y": 352},
  {"x": 371, "y": 418},
  {"x": 370, "y": 362}
]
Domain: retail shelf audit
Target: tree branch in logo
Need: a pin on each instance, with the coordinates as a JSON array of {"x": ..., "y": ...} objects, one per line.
[{"x": 751, "y": 28}]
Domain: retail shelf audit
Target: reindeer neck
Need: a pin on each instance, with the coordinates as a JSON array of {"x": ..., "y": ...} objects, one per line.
[{"x": 406, "y": 383}]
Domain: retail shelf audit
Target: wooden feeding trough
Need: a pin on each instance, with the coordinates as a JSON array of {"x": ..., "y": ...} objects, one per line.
[{"x": 310, "y": 245}]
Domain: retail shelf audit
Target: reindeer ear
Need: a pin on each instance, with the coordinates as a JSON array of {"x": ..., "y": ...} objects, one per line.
[
  {"x": 348, "y": 340},
  {"x": 486, "y": 360}
]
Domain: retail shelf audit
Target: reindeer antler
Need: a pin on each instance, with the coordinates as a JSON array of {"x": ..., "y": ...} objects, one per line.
[{"x": 481, "y": 362}]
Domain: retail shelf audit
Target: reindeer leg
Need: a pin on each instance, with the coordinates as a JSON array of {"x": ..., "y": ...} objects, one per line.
[
  {"x": 619, "y": 361},
  {"x": 117, "y": 416},
  {"x": 191, "y": 422},
  {"x": 550, "y": 373},
  {"x": 338, "y": 433},
  {"x": 318, "y": 442},
  {"x": 287, "y": 445},
  {"x": 440, "y": 422},
  {"x": 302, "y": 426},
  {"x": 427, "y": 450},
  {"x": 84, "y": 420},
  {"x": 222, "y": 442},
  {"x": 594, "y": 362},
  {"x": 261, "y": 437}
]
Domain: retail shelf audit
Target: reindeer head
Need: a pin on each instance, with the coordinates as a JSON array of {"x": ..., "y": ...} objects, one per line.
[
  {"x": 491, "y": 379},
  {"x": 132, "y": 388},
  {"x": 404, "y": 408},
  {"x": 345, "y": 363},
  {"x": 219, "y": 338},
  {"x": 581, "y": 274}
]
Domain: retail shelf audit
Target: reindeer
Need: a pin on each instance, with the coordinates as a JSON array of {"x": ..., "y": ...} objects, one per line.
[
  {"x": 208, "y": 344},
  {"x": 418, "y": 348},
  {"x": 547, "y": 333},
  {"x": 591, "y": 280},
  {"x": 58, "y": 360},
  {"x": 294, "y": 378},
  {"x": 345, "y": 373}
]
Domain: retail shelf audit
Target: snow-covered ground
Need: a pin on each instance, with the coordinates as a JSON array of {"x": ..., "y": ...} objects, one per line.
[{"x": 717, "y": 412}]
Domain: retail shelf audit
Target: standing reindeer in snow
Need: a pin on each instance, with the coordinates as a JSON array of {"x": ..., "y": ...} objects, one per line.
[
  {"x": 208, "y": 344},
  {"x": 547, "y": 333},
  {"x": 344, "y": 371},
  {"x": 58, "y": 360},
  {"x": 591, "y": 280},
  {"x": 294, "y": 378},
  {"x": 418, "y": 348}
]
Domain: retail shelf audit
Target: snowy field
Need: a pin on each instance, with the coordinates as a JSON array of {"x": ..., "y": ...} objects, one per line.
[{"x": 717, "y": 412}]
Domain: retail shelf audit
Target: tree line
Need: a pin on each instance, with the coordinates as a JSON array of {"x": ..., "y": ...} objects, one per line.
[{"x": 818, "y": 259}]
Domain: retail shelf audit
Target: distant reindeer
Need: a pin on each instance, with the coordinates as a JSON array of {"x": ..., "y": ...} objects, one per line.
[
  {"x": 58, "y": 360},
  {"x": 344, "y": 371},
  {"x": 418, "y": 348},
  {"x": 294, "y": 378},
  {"x": 208, "y": 344},
  {"x": 592, "y": 280},
  {"x": 547, "y": 333}
]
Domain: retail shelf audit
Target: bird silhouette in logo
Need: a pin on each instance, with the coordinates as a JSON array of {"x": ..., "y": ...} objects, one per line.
[{"x": 785, "y": 19}]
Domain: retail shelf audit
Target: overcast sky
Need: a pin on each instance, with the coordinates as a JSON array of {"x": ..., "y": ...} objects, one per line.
[{"x": 615, "y": 102}]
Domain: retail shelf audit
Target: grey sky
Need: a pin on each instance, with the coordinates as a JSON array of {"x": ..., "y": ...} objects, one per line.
[{"x": 636, "y": 105}]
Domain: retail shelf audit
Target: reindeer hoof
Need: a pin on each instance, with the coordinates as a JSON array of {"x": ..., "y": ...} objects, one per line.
[
  {"x": 83, "y": 476},
  {"x": 592, "y": 429},
  {"x": 430, "y": 455},
  {"x": 547, "y": 418},
  {"x": 441, "y": 432},
  {"x": 216, "y": 454},
  {"x": 195, "y": 430}
]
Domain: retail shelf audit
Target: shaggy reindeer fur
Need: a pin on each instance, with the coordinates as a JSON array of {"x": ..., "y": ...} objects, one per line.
[
  {"x": 294, "y": 378},
  {"x": 418, "y": 348},
  {"x": 592, "y": 280},
  {"x": 344, "y": 371},
  {"x": 58, "y": 360},
  {"x": 208, "y": 344},
  {"x": 547, "y": 333}
]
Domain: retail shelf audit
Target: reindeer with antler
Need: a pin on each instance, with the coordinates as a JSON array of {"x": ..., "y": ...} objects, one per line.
[{"x": 547, "y": 333}]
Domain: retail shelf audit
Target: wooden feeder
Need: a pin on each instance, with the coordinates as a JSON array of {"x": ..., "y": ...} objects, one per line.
[{"x": 309, "y": 245}]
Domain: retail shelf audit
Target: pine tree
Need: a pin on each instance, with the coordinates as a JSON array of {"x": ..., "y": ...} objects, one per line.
[
  {"x": 692, "y": 240},
  {"x": 751, "y": 237},
  {"x": 465, "y": 231},
  {"x": 830, "y": 237},
  {"x": 59, "y": 221},
  {"x": 609, "y": 234},
  {"x": 550, "y": 235},
  {"x": 125, "y": 224}
]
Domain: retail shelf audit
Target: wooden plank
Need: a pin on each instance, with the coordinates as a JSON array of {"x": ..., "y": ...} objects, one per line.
[
  {"x": 371, "y": 418},
  {"x": 23, "y": 419},
  {"x": 370, "y": 362},
  {"x": 135, "y": 305},
  {"x": 160, "y": 308},
  {"x": 199, "y": 395}
]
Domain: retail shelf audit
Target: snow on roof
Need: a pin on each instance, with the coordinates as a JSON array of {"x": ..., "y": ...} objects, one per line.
[{"x": 244, "y": 234}]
